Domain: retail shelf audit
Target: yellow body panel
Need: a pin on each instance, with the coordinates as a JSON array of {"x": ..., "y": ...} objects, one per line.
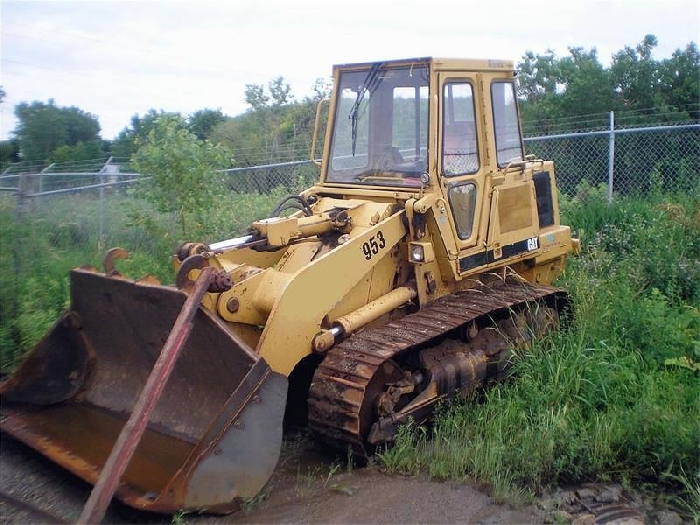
[{"x": 317, "y": 289}]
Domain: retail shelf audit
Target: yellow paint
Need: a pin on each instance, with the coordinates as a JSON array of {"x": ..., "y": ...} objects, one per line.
[{"x": 315, "y": 290}]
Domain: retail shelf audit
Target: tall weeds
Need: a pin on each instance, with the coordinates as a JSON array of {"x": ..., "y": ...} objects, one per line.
[
  {"x": 53, "y": 235},
  {"x": 615, "y": 395}
]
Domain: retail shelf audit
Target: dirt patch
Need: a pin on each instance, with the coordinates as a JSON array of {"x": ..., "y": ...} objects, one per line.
[
  {"x": 311, "y": 486},
  {"x": 368, "y": 496}
]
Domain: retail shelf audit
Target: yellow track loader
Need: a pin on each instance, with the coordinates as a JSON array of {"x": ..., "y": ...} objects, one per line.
[{"x": 402, "y": 278}]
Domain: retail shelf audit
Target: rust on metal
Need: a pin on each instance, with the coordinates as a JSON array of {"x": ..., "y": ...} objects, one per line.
[
  {"x": 194, "y": 262},
  {"x": 233, "y": 304},
  {"x": 149, "y": 279},
  {"x": 220, "y": 282},
  {"x": 111, "y": 256},
  {"x": 133, "y": 430}
]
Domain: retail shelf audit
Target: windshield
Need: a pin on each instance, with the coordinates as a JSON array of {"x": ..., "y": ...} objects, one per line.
[{"x": 380, "y": 133}]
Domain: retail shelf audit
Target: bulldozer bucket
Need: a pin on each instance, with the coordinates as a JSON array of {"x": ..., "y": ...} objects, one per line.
[{"x": 214, "y": 436}]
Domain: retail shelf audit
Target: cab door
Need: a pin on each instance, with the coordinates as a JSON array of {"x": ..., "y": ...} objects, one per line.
[
  {"x": 490, "y": 205},
  {"x": 461, "y": 153},
  {"x": 513, "y": 228}
]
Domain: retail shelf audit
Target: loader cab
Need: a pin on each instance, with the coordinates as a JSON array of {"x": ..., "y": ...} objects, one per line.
[
  {"x": 447, "y": 129},
  {"x": 392, "y": 122}
]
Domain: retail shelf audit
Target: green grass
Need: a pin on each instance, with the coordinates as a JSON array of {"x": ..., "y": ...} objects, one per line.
[
  {"x": 57, "y": 233},
  {"x": 604, "y": 399}
]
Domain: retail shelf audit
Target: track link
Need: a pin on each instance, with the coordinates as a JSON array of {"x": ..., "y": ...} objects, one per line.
[{"x": 354, "y": 372}]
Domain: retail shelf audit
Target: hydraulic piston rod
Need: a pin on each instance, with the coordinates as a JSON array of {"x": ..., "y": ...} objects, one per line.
[
  {"x": 350, "y": 323},
  {"x": 232, "y": 243}
]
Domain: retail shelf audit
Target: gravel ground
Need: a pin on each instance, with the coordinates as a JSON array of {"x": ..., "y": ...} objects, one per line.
[{"x": 27, "y": 477}]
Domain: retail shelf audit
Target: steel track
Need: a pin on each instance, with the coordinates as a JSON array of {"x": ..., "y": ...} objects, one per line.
[{"x": 342, "y": 391}]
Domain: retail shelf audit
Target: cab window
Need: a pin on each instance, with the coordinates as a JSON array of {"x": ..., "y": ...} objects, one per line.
[
  {"x": 462, "y": 199},
  {"x": 507, "y": 127},
  {"x": 380, "y": 133},
  {"x": 459, "y": 146}
]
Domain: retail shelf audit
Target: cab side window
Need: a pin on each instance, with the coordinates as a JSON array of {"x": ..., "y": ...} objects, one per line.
[
  {"x": 505, "y": 118},
  {"x": 462, "y": 199},
  {"x": 459, "y": 146}
]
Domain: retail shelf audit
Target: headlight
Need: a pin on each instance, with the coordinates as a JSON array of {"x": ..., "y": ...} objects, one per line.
[
  {"x": 417, "y": 253},
  {"x": 421, "y": 252}
]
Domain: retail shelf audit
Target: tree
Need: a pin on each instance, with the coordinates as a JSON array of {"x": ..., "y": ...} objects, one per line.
[
  {"x": 42, "y": 128},
  {"x": 322, "y": 89},
  {"x": 268, "y": 109},
  {"x": 280, "y": 92},
  {"x": 126, "y": 143},
  {"x": 203, "y": 121},
  {"x": 200, "y": 123},
  {"x": 552, "y": 88},
  {"x": 538, "y": 76},
  {"x": 634, "y": 73},
  {"x": 9, "y": 149},
  {"x": 81, "y": 151},
  {"x": 243, "y": 135},
  {"x": 182, "y": 169},
  {"x": 9, "y": 152},
  {"x": 679, "y": 80},
  {"x": 255, "y": 96},
  {"x": 276, "y": 128},
  {"x": 587, "y": 84}
]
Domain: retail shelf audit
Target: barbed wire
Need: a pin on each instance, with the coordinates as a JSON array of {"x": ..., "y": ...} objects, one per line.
[{"x": 644, "y": 117}]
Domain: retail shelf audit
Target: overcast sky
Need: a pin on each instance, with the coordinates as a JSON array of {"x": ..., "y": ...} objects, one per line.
[{"x": 115, "y": 59}]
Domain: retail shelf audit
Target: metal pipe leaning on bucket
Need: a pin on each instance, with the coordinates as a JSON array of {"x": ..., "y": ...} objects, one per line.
[{"x": 133, "y": 430}]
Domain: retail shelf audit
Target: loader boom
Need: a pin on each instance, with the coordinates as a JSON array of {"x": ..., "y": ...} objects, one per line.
[{"x": 339, "y": 270}]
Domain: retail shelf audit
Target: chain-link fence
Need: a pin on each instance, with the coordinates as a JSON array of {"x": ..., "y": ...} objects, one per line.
[
  {"x": 54, "y": 218},
  {"x": 94, "y": 203},
  {"x": 60, "y": 216},
  {"x": 630, "y": 161}
]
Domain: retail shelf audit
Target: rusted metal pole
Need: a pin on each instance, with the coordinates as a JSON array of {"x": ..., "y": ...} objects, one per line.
[{"x": 130, "y": 436}]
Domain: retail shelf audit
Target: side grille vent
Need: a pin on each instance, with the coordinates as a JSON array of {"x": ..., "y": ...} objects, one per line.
[{"x": 543, "y": 191}]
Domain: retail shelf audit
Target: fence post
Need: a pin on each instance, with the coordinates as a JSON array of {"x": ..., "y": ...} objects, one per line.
[
  {"x": 101, "y": 233},
  {"x": 611, "y": 157},
  {"x": 19, "y": 260}
]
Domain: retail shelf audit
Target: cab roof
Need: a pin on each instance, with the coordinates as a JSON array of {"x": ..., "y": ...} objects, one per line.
[{"x": 437, "y": 64}]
